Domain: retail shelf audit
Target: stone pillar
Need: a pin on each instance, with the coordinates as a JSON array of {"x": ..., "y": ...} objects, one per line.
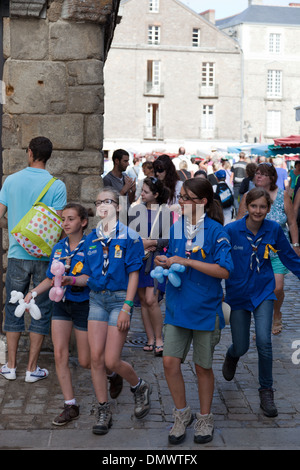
[{"x": 54, "y": 53}]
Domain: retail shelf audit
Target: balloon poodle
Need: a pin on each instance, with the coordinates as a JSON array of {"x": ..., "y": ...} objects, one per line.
[
  {"x": 56, "y": 292},
  {"x": 31, "y": 307},
  {"x": 159, "y": 272}
]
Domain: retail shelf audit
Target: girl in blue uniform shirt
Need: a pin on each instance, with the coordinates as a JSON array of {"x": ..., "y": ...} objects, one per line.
[
  {"x": 73, "y": 309},
  {"x": 113, "y": 257},
  {"x": 194, "y": 310},
  {"x": 250, "y": 288}
]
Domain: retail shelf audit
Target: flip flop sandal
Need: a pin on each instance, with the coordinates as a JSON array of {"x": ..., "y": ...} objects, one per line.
[
  {"x": 148, "y": 348},
  {"x": 158, "y": 350}
]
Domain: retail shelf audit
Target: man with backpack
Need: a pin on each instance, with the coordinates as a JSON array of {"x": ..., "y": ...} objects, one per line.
[{"x": 225, "y": 194}]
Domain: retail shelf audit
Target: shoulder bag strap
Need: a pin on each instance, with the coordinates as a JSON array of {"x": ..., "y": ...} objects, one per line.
[{"x": 45, "y": 189}]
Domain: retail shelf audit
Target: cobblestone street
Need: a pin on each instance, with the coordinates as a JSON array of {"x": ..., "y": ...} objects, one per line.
[{"x": 27, "y": 410}]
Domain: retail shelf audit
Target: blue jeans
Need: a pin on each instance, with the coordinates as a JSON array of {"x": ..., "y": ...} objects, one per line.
[
  {"x": 19, "y": 274},
  {"x": 240, "y": 331}
]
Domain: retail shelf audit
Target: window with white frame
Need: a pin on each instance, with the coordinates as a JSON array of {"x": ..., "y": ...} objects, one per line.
[
  {"x": 153, "y": 120},
  {"x": 274, "y": 85},
  {"x": 196, "y": 37},
  {"x": 153, "y": 76},
  {"x": 275, "y": 43},
  {"x": 208, "y": 117},
  {"x": 154, "y": 6},
  {"x": 273, "y": 123},
  {"x": 154, "y": 35},
  {"x": 208, "y": 74}
]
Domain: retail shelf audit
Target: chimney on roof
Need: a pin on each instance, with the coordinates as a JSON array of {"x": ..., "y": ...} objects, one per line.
[
  {"x": 209, "y": 15},
  {"x": 254, "y": 2}
]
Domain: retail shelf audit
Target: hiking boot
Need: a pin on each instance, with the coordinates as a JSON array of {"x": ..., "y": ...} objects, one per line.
[
  {"x": 229, "y": 367},
  {"x": 104, "y": 419},
  {"x": 69, "y": 413},
  {"x": 142, "y": 399},
  {"x": 182, "y": 419},
  {"x": 9, "y": 374},
  {"x": 37, "y": 374},
  {"x": 115, "y": 385},
  {"x": 267, "y": 404},
  {"x": 204, "y": 428}
]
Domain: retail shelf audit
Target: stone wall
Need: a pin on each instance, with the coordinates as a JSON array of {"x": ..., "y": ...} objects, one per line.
[{"x": 54, "y": 54}]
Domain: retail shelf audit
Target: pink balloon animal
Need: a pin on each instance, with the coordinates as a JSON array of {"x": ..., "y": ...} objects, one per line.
[{"x": 56, "y": 292}]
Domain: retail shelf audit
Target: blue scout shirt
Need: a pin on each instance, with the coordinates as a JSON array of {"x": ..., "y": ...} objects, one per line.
[
  {"x": 247, "y": 288},
  {"x": 126, "y": 252},
  {"x": 72, "y": 293},
  {"x": 195, "y": 304}
]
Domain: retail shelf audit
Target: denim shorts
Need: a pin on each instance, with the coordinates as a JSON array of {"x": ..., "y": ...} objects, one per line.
[
  {"x": 19, "y": 275},
  {"x": 106, "y": 305},
  {"x": 76, "y": 312}
]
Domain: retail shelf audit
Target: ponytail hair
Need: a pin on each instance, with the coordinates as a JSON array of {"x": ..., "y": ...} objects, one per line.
[
  {"x": 202, "y": 188},
  {"x": 157, "y": 186},
  {"x": 82, "y": 212}
]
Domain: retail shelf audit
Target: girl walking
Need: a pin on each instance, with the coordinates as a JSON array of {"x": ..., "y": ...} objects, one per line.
[
  {"x": 154, "y": 222},
  {"x": 72, "y": 310},
  {"x": 194, "y": 310},
  {"x": 250, "y": 288},
  {"x": 113, "y": 257}
]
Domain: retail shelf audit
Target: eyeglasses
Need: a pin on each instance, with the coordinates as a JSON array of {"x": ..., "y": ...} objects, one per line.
[
  {"x": 186, "y": 198},
  {"x": 159, "y": 170},
  {"x": 106, "y": 202}
]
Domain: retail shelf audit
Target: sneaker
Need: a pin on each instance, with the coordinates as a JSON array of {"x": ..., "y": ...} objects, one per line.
[
  {"x": 142, "y": 399},
  {"x": 104, "y": 420},
  {"x": 69, "y": 413},
  {"x": 115, "y": 385},
  {"x": 36, "y": 375},
  {"x": 204, "y": 428},
  {"x": 9, "y": 374},
  {"x": 182, "y": 419},
  {"x": 229, "y": 367},
  {"x": 267, "y": 404}
]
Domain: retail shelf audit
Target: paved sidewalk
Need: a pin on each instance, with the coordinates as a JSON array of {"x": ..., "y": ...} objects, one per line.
[{"x": 27, "y": 410}]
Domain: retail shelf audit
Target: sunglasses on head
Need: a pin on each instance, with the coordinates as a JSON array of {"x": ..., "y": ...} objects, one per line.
[{"x": 159, "y": 170}]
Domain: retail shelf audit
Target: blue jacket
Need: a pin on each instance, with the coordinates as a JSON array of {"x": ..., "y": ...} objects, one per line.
[
  {"x": 125, "y": 254},
  {"x": 77, "y": 264},
  {"x": 195, "y": 304},
  {"x": 247, "y": 288}
]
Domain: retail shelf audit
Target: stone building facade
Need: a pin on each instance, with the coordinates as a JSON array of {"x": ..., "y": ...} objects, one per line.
[
  {"x": 269, "y": 37},
  {"x": 179, "y": 77},
  {"x": 54, "y": 53}
]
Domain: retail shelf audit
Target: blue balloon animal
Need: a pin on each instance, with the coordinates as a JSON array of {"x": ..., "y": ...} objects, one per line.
[{"x": 159, "y": 272}]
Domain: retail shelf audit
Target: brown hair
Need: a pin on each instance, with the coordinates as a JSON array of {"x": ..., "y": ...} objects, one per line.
[
  {"x": 257, "y": 193},
  {"x": 202, "y": 188},
  {"x": 269, "y": 170},
  {"x": 82, "y": 212}
]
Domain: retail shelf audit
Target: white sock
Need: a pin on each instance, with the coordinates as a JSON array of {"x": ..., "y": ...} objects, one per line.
[{"x": 71, "y": 402}]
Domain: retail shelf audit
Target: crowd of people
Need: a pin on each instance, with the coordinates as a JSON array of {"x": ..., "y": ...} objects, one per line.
[{"x": 217, "y": 220}]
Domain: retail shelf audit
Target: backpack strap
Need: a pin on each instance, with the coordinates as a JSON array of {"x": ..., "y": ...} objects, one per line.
[{"x": 45, "y": 189}]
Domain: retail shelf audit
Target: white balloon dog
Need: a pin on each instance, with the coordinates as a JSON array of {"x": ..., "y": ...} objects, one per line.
[{"x": 31, "y": 307}]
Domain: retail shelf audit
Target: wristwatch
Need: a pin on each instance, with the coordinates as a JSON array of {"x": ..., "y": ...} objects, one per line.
[{"x": 295, "y": 244}]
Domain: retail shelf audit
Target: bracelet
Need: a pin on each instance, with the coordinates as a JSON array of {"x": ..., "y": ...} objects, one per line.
[
  {"x": 295, "y": 244},
  {"x": 129, "y": 302},
  {"x": 128, "y": 312},
  {"x": 74, "y": 280}
]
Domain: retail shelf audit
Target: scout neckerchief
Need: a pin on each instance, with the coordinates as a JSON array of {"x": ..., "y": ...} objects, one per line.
[
  {"x": 70, "y": 254},
  {"x": 105, "y": 241},
  {"x": 191, "y": 232},
  {"x": 254, "y": 246}
]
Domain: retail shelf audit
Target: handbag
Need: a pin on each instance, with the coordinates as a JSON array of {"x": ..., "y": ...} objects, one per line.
[{"x": 40, "y": 228}]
